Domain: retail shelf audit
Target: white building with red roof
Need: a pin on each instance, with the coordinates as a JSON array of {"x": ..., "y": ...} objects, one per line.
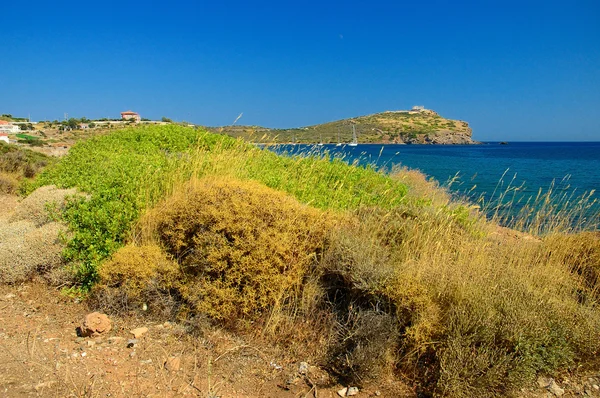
[
  {"x": 7, "y": 127},
  {"x": 128, "y": 115}
]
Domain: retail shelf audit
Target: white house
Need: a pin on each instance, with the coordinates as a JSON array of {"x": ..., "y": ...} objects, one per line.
[
  {"x": 6, "y": 127},
  {"x": 4, "y": 138}
]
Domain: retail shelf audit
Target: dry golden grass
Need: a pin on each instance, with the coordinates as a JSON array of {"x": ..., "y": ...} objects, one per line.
[
  {"x": 424, "y": 290},
  {"x": 420, "y": 187}
]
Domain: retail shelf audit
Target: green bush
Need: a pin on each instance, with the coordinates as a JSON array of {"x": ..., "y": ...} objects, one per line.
[{"x": 132, "y": 169}]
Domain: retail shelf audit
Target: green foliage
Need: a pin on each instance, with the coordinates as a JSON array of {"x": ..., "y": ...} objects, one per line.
[{"x": 132, "y": 169}]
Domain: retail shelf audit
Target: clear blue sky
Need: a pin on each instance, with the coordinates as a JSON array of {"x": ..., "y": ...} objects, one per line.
[{"x": 516, "y": 70}]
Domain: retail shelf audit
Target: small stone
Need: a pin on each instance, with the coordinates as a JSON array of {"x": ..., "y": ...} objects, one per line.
[
  {"x": 144, "y": 307},
  {"x": 303, "y": 368},
  {"x": 95, "y": 324},
  {"x": 139, "y": 332},
  {"x": 91, "y": 343},
  {"x": 83, "y": 354},
  {"x": 173, "y": 364},
  {"x": 595, "y": 386},
  {"x": 9, "y": 296},
  {"x": 132, "y": 342},
  {"x": 41, "y": 386},
  {"x": 555, "y": 389},
  {"x": 342, "y": 392},
  {"x": 352, "y": 391},
  {"x": 377, "y": 393},
  {"x": 544, "y": 382},
  {"x": 146, "y": 362}
]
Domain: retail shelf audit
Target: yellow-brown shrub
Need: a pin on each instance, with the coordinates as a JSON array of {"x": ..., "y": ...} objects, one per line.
[
  {"x": 244, "y": 248},
  {"x": 133, "y": 269}
]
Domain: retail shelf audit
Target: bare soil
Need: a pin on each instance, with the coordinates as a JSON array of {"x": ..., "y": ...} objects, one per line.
[{"x": 42, "y": 355}]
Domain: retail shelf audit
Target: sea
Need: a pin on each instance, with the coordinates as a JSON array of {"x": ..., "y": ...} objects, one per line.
[{"x": 500, "y": 173}]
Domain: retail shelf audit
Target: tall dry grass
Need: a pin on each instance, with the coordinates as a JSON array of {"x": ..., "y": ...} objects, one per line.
[{"x": 402, "y": 283}]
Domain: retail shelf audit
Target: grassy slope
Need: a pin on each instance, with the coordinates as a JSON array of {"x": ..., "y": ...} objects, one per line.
[
  {"x": 404, "y": 285},
  {"x": 132, "y": 169},
  {"x": 376, "y": 128}
]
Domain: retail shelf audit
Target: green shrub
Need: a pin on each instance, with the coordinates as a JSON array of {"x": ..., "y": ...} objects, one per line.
[{"x": 132, "y": 169}]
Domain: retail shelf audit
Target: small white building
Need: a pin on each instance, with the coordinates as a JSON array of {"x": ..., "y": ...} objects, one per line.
[
  {"x": 7, "y": 127},
  {"x": 4, "y": 138},
  {"x": 130, "y": 115}
]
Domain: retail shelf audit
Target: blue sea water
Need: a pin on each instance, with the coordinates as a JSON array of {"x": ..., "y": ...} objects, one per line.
[{"x": 483, "y": 171}]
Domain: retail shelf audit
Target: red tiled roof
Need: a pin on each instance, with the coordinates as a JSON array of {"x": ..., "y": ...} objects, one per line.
[
  {"x": 128, "y": 113},
  {"x": 3, "y": 122},
  {"x": 3, "y": 135}
]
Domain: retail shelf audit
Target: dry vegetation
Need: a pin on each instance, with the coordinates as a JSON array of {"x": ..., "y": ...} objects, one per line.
[{"x": 409, "y": 285}]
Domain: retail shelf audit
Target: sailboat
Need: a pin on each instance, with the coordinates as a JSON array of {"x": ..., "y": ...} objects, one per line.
[
  {"x": 339, "y": 143},
  {"x": 354, "y": 138}
]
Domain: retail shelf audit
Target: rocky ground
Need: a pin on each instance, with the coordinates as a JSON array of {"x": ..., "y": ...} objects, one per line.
[{"x": 43, "y": 353}]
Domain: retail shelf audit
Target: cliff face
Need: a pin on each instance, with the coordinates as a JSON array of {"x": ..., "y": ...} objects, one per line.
[{"x": 397, "y": 127}]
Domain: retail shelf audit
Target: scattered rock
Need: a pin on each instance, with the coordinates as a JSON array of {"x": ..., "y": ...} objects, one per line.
[
  {"x": 555, "y": 389},
  {"x": 41, "y": 386},
  {"x": 342, "y": 392},
  {"x": 544, "y": 382},
  {"x": 91, "y": 343},
  {"x": 303, "y": 368},
  {"x": 596, "y": 387},
  {"x": 173, "y": 364},
  {"x": 146, "y": 361},
  {"x": 95, "y": 324},
  {"x": 139, "y": 332},
  {"x": 9, "y": 296},
  {"x": 352, "y": 391},
  {"x": 132, "y": 342},
  {"x": 377, "y": 393},
  {"x": 275, "y": 366}
]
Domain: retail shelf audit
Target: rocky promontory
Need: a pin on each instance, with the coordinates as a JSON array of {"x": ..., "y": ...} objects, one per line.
[{"x": 415, "y": 126}]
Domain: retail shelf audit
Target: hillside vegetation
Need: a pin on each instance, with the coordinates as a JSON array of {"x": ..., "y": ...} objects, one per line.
[
  {"x": 424, "y": 127},
  {"x": 371, "y": 276}
]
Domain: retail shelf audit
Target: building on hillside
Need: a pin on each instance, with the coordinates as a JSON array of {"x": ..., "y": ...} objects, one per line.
[
  {"x": 129, "y": 115},
  {"x": 7, "y": 127},
  {"x": 4, "y": 138}
]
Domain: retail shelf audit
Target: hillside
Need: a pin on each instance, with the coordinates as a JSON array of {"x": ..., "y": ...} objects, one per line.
[
  {"x": 301, "y": 273},
  {"x": 398, "y": 127}
]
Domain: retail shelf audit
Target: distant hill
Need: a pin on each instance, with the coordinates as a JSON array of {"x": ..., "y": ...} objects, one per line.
[{"x": 416, "y": 126}]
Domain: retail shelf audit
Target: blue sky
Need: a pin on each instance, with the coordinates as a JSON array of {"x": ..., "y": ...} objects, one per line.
[{"x": 515, "y": 70}]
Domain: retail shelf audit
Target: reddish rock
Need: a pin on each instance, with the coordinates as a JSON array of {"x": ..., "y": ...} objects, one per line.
[{"x": 95, "y": 324}]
